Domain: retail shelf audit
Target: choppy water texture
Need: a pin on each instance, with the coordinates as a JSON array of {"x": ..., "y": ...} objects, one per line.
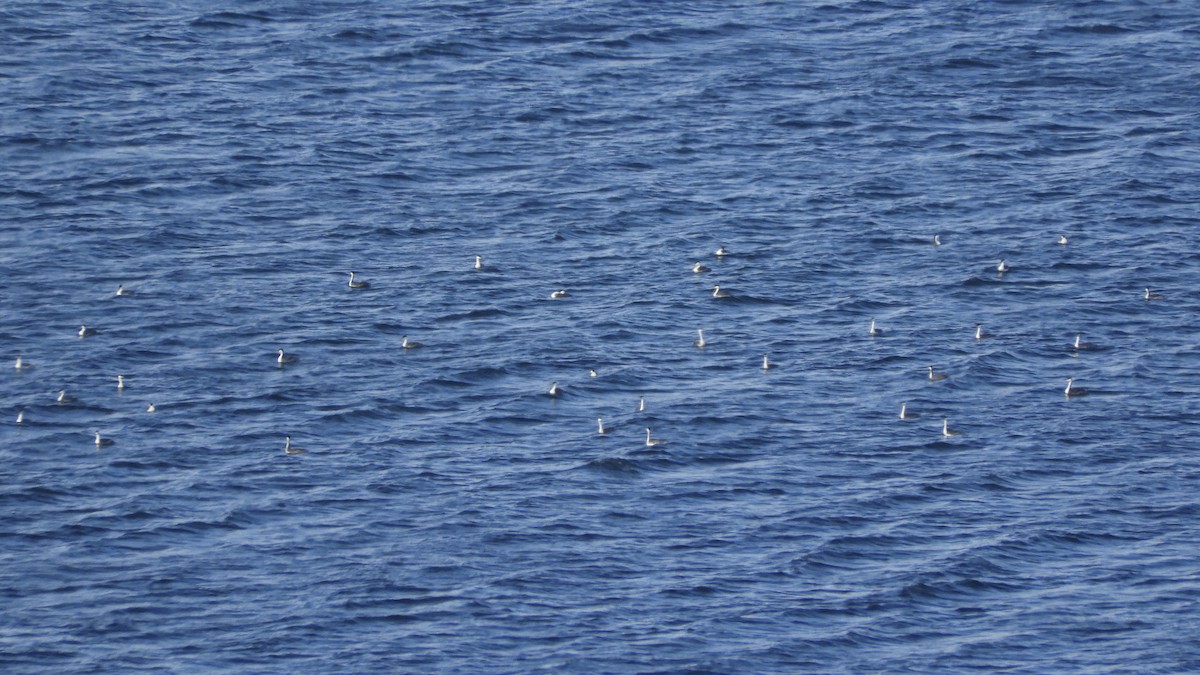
[{"x": 232, "y": 165}]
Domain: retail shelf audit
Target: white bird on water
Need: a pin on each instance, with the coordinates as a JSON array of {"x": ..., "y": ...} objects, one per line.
[
  {"x": 700, "y": 269},
  {"x": 641, "y": 404},
  {"x": 21, "y": 364},
  {"x": 84, "y": 331},
  {"x": 600, "y": 428},
  {"x": 721, "y": 252},
  {"x": 904, "y": 414},
  {"x": 1152, "y": 296},
  {"x": 592, "y": 373},
  {"x": 1079, "y": 344},
  {"x": 560, "y": 293},
  {"x": 21, "y": 416},
  {"x": 718, "y": 293},
  {"x": 766, "y": 364},
  {"x": 478, "y": 262},
  {"x": 122, "y": 291},
  {"x": 873, "y": 330},
  {"x": 701, "y": 342},
  {"x": 651, "y": 442},
  {"x": 354, "y": 283},
  {"x": 63, "y": 398},
  {"x": 289, "y": 449},
  {"x": 934, "y": 377},
  {"x": 1062, "y": 240},
  {"x": 284, "y": 358},
  {"x": 1073, "y": 391},
  {"x": 120, "y": 383},
  {"x": 1003, "y": 267},
  {"x": 102, "y": 442},
  {"x": 555, "y": 390},
  {"x": 946, "y": 430},
  {"x": 979, "y": 332},
  {"x": 409, "y": 344},
  {"x": 937, "y": 240},
  {"x": 150, "y": 408}
]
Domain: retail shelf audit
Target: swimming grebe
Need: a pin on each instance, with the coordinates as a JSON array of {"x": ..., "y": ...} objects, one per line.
[
  {"x": 122, "y": 291},
  {"x": 289, "y": 449},
  {"x": 721, "y": 252},
  {"x": 600, "y": 428},
  {"x": 1152, "y": 296},
  {"x": 21, "y": 364},
  {"x": 937, "y": 240},
  {"x": 934, "y": 377},
  {"x": 904, "y": 414},
  {"x": 700, "y": 269},
  {"x": 873, "y": 330},
  {"x": 358, "y": 284},
  {"x": 409, "y": 344},
  {"x": 653, "y": 441},
  {"x": 555, "y": 390},
  {"x": 21, "y": 416},
  {"x": 478, "y": 262},
  {"x": 84, "y": 331},
  {"x": 560, "y": 293},
  {"x": 102, "y": 442},
  {"x": 150, "y": 408},
  {"x": 1062, "y": 240},
  {"x": 1078, "y": 344},
  {"x": 63, "y": 398},
  {"x": 979, "y": 333},
  {"x": 284, "y": 358},
  {"x": 1073, "y": 391},
  {"x": 1002, "y": 267},
  {"x": 946, "y": 430},
  {"x": 701, "y": 342},
  {"x": 641, "y": 404},
  {"x": 766, "y": 364},
  {"x": 120, "y": 383},
  {"x": 718, "y": 293},
  {"x": 592, "y": 372}
]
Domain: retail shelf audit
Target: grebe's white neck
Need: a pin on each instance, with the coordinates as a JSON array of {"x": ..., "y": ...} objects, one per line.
[{"x": 478, "y": 262}]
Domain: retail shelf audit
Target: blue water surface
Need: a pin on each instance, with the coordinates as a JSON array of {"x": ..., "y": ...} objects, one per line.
[{"x": 232, "y": 162}]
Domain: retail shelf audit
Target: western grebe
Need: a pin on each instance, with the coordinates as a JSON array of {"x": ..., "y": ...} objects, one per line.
[
  {"x": 934, "y": 377},
  {"x": 21, "y": 416},
  {"x": 284, "y": 358},
  {"x": 409, "y": 344},
  {"x": 1003, "y": 267},
  {"x": 946, "y": 430},
  {"x": 358, "y": 284},
  {"x": 1062, "y": 240},
  {"x": 84, "y": 331},
  {"x": 555, "y": 390},
  {"x": 289, "y": 449},
  {"x": 102, "y": 442},
  {"x": 21, "y": 364},
  {"x": 721, "y": 252},
  {"x": 478, "y": 262},
  {"x": 150, "y": 408},
  {"x": 641, "y": 404},
  {"x": 904, "y": 414},
  {"x": 766, "y": 364},
  {"x": 120, "y": 383},
  {"x": 700, "y": 269},
  {"x": 63, "y": 398},
  {"x": 873, "y": 330},
  {"x": 592, "y": 373},
  {"x": 701, "y": 342},
  {"x": 122, "y": 291},
  {"x": 600, "y": 428},
  {"x": 1073, "y": 391},
  {"x": 718, "y": 293},
  {"x": 1152, "y": 296},
  {"x": 979, "y": 332},
  {"x": 1079, "y": 344},
  {"x": 937, "y": 240},
  {"x": 653, "y": 441},
  {"x": 560, "y": 293}
]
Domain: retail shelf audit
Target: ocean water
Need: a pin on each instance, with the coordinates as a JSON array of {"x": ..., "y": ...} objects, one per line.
[{"x": 232, "y": 162}]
